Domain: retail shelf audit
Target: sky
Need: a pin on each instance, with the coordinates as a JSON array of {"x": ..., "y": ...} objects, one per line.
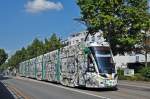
[{"x": 23, "y": 20}]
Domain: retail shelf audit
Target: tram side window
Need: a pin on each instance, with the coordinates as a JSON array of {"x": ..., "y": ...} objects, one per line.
[{"x": 91, "y": 67}]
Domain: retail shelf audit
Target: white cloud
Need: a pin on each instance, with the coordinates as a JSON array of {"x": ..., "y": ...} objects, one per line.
[{"x": 35, "y": 6}]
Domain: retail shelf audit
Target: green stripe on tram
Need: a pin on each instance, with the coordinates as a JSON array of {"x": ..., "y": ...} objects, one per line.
[
  {"x": 35, "y": 69},
  {"x": 58, "y": 66},
  {"x": 43, "y": 69}
]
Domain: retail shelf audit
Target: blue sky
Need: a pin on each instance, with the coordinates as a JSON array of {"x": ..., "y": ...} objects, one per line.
[{"x": 23, "y": 20}]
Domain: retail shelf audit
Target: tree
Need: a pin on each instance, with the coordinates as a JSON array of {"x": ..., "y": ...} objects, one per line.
[
  {"x": 47, "y": 45},
  {"x": 53, "y": 43},
  {"x": 145, "y": 45},
  {"x": 35, "y": 49},
  {"x": 3, "y": 66},
  {"x": 3, "y": 56},
  {"x": 121, "y": 21},
  {"x": 15, "y": 59},
  {"x": 24, "y": 54}
]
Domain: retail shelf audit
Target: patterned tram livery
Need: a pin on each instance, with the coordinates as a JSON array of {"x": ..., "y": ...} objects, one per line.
[{"x": 87, "y": 65}]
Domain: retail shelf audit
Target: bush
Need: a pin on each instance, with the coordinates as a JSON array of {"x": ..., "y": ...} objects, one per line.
[
  {"x": 145, "y": 72},
  {"x": 120, "y": 73},
  {"x": 143, "y": 75},
  {"x": 136, "y": 77}
]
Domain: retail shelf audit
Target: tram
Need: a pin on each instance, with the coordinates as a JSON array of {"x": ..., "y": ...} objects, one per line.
[{"x": 87, "y": 65}]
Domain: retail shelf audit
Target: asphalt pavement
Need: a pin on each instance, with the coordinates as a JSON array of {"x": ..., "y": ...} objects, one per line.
[
  {"x": 33, "y": 89},
  {"x": 4, "y": 92}
]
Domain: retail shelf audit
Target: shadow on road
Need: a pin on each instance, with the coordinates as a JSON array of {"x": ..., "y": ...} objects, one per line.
[
  {"x": 98, "y": 89},
  {"x": 81, "y": 88},
  {"x": 84, "y": 88},
  {"x": 4, "y": 92}
]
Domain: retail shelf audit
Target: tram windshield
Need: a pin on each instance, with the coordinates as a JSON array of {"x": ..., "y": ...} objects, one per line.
[{"x": 103, "y": 59}]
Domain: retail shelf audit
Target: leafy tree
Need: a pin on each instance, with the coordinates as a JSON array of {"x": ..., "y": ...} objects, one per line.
[
  {"x": 146, "y": 38},
  {"x": 53, "y": 43},
  {"x": 3, "y": 56},
  {"x": 47, "y": 45},
  {"x": 15, "y": 59},
  {"x": 35, "y": 49},
  {"x": 145, "y": 72},
  {"x": 3, "y": 66},
  {"x": 24, "y": 54},
  {"x": 121, "y": 21}
]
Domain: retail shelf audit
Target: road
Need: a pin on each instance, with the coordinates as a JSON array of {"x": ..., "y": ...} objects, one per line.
[
  {"x": 4, "y": 92},
  {"x": 32, "y": 89}
]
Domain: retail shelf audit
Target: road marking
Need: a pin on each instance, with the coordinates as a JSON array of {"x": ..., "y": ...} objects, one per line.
[
  {"x": 70, "y": 89},
  {"x": 18, "y": 94},
  {"x": 146, "y": 87}
]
